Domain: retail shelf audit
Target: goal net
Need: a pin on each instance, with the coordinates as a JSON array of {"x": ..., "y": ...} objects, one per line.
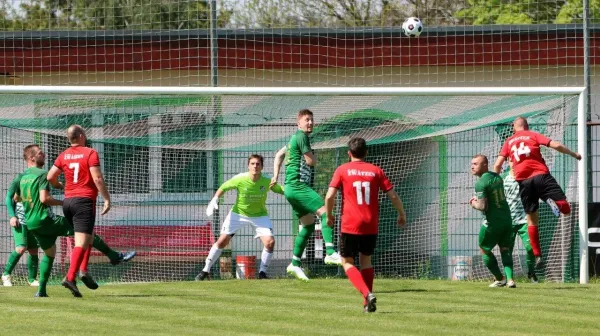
[{"x": 164, "y": 154}]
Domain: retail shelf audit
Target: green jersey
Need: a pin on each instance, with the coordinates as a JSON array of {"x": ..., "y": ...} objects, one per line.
[
  {"x": 12, "y": 190},
  {"x": 296, "y": 168},
  {"x": 37, "y": 213},
  {"x": 490, "y": 187},
  {"x": 511, "y": 191},
  {"x": 251, "y": 196}
]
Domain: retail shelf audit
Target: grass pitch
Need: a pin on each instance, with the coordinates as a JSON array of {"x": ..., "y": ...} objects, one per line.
[{"x": 289, "y": 307}]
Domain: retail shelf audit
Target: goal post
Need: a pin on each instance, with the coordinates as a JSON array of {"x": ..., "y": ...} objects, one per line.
[{"x": 423, "y": 137}]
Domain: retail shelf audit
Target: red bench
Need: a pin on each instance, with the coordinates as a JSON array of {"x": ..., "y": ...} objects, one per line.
[{"x": 152, "y": 243}]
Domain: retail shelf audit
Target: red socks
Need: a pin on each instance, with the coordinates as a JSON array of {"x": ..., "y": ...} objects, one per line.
[
  {"x": 86, "y": 260},
  {"x": 563, "y": 206},
  {"x": 534, "y": 239},
  {"x": 76, "y": 258},
  {"x": 357, "y": 280}
]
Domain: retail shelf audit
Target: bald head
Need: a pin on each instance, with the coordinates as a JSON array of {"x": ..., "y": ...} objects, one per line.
[
  {"x": 76, "y": 135},
  {"x": 520, "y": 124}
]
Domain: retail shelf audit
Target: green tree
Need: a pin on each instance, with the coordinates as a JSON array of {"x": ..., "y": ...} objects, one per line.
[
  {"x": 509, "y": 11},
  {"x": 572, "y": 12}
]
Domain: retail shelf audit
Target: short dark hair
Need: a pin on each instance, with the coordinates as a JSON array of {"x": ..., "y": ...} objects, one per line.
[
  {"x": 257, "y": 156},
  {"x": 29, "y": 151},
  {"x": 304, "y": 112},
  {"x": 358, "y": 147},
  {"x": 485, "y": 159}
]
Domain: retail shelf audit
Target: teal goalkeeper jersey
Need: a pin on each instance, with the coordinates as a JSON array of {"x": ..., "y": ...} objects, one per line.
[{"x": 251, "y": 198}]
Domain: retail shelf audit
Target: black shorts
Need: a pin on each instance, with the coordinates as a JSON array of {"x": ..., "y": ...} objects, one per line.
[
  {"x": 542, "y": 187},
  {"x": 352, "y": 244},
  {"x": 81, "y": 212}
]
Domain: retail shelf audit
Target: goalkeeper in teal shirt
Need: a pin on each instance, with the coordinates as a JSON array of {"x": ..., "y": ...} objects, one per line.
[{"x": 249, "y": 209}]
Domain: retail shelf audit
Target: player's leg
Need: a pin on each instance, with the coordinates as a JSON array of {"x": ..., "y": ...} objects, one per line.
[
  {"x": 264, "y": 231},
  {"x": 506, "y": 243},
  {"x": 47, "y": 242},
  {"x": 487, "y": 241},
  {"x": 306, "y": 231},
  {"x": 33, "y": 260},
  {"x": 349, "y": 248},
  {"x": 20, "y": 239},
  {"x": 366, "y": 250},
  {"x": 232, "y": 224},
  {"x": 332, "y": 257},
  {"x": 530, "y": 200},
  {"x": 521, "y": 231},
  {"x": 551, "y": 193}
]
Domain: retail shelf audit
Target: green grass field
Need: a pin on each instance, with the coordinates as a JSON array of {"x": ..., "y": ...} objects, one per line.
[{"x": 290, "y": 307}]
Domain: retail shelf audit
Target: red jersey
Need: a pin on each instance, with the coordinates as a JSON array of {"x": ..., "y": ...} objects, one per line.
[
  {"x": 360, "y": 183},
  {"x": 523, "y": 149},
  {"x": 76, "y": 162}
]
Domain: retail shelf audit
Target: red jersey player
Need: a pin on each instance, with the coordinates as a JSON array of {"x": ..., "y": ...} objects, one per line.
[
  {"x": 360, "y": 182},
  {"x": 533, "y": 176},
  {"x": 83, "y": 180}
]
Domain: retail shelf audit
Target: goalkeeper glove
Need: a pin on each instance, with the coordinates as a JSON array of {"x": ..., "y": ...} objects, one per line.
[{"x": 212, "y": 206}]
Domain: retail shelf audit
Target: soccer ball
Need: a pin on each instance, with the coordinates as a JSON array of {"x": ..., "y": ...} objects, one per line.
[{"x": 412, "y": 27}]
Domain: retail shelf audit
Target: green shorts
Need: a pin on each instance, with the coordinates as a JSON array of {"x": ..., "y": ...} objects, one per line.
[
  {"x": 489, "y": 238},
  {"x": 24, "y": 237},
  {"x": 303, "y": 199},
  {"x": 520, "y": 230},
  {"x": 46, "y": 235}
]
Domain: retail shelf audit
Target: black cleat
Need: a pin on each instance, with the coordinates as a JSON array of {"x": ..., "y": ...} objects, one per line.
[
  {"x": 262, "y": 275},
  {"x": 72, "y": 286},
  {"x": 538, "y": 262},
  {"x": 88, "y": 281},
  {"x": 371, "y": 301},
  {"x": 201, "y": 276},
  {"x": 532, "y": 277},
  {"x": 38, "y": 294},
  {"x": 123, "y": 257}
]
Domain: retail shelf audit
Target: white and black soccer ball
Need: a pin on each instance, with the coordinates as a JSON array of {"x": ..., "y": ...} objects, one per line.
[{"x": 412, "y": 27}]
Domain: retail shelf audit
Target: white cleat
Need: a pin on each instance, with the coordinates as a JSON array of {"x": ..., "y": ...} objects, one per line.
[
  {"x": 498, "y": 283},
  {"x": 34, "y": 283},
  {"x": 511, "y": 284},
  {"x": 6, "y": 281},
  {"x": 333, "y": 259},
  {"x": 297, "y": 272},
  {"x": 553, "y": 207}
]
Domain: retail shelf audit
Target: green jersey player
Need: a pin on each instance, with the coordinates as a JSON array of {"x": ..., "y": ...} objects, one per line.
[
  {"x": 23, "y": 238},
  {"x": 45, "y": 226},
  {"x": 249, "y": 209},
  {"x": 496, "y": 228},
  {"x": 299, "y": 166},
  {"x": 519, "y": 220}
]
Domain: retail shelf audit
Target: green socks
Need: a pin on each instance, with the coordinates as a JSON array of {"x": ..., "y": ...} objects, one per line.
[
  {"x": 507, "y": 261},
  {"x": 32, "y": 267},
  {"x": 492, "y": 264},
  {"x": 45, "y": 271},
  {"x": 327, "y": 233},
  {"x": 12, "y": 262},
  {"x": 300, "y": 243},
  {"x": 101, "y": 246}
]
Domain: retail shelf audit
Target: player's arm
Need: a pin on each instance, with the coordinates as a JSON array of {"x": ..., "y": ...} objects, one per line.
[
  {"x": 479, "y": 201},
  {"x": 53, "y": 177},
  {"x": 498, "y": 164},
  {"x": 277, "y": 188},
  {"x": 329, "y": 204},
  {"x": 45, "y": 196},
  {"x": 563, "y": 149},
  {"x": 98, "y": 178},
  {"x": 397, "y": 203},
  {"x": 304, "y": 145},
  {"x": 9, "y": 201},
  {"x": 232, "y": 183},
  {"x": 279, "y": 156}
]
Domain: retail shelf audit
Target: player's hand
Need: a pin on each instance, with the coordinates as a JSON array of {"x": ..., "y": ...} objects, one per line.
[
  {"x": 473, "y": 199},
  {"x": 212, "y": 206},
  {"x": 330, "y": 220},
  {"x": 273, "y": 181},
  {"x": 578, "y": 156},
  {"x": 14, "y": 222},
  {"x": 401, "y": 221},
  {"x": 106, "y": 207}
]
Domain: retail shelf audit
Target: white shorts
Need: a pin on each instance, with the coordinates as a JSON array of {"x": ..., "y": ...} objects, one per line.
[{"x": 234, "y": 222}]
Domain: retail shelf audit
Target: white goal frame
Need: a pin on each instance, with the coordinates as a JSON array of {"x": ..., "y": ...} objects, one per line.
[{"x": 367, "y": 91}]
